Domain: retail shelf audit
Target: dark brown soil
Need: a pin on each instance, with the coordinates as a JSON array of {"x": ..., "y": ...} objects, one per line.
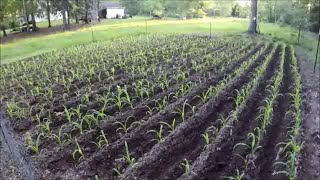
[{"x": 310, "y": 156}]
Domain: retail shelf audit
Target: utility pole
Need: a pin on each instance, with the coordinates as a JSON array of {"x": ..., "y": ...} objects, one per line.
[{"x": 315, "y": 61}]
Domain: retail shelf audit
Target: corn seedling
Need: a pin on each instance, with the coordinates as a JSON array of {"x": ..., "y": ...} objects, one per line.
[
  {"x": 10, "y": 109},
  {"x": 206, "y": 139},
  {"x": 171, "y": 126},
  {"x": 79, "y": 125},
  {"x": 117, "y": 171},
  {"x": 204, "y": 95},
  {"x": 31, "y": 145},
  {"x": 238, "y": 176},
  {"x": 186, "y": 166},
  {"x": 117, "y": 99},
  {"x": 130, "y": 160},
  {"x": 78, "y": 151},
  {"x": 253, "y": 145},
  {"x": 182, "y": 111},
  {"x": 159, "y": 135}
]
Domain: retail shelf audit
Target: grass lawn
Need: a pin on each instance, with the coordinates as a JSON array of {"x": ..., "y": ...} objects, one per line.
[{"x": 111, "y": 29}]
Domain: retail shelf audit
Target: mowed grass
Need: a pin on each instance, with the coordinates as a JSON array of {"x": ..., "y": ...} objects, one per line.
[{"x": 112, "y": 29}]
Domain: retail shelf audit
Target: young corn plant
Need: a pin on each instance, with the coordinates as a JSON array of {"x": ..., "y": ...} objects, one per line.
[
  {"x": 79, "y": 125},
  {"x": 78, "y": 151},
  {"x": 204, "y": 95},
  {"x": 206, "y": 139},
  {"x": 124, "y": 127},
  {"x": 59, "y": 137},
  {"x": 182, "y": 111},
  {"x": 78, "y": 112},
  {"x": 186, "y": 165},
  {"x": 31, "y": 145},
  {"x": 117, "y": 171},
  {"x": 130, "y": 160},
  {"x": 150, "y": 110},
  {"x": 102, "y": 140},
  {"x": 117, "y": 98},
  {"x": 159, "y": 135},
  {"x": 45, "y": 128},
  {"x": 161, "y": 104},
  {"x": 68, "y": 114},
  {"x": 128, "y": 99},
  {"x": 113, "y": 70},
  {"x": 10, "y": 109},
  {"x": 238, "y": 176},
  {"x": 253, "y": 144},
  {"x": 171, "y": 126}
]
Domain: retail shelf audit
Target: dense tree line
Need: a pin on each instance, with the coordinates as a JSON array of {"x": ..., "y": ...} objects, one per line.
[
  {"x": 298, "y": 13},
  {"x": 11, "y": 11},
  {"x": 305, "y": 13}
]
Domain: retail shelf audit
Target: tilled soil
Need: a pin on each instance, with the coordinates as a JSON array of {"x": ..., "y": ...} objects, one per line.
[{"x": 162, "y": 159}]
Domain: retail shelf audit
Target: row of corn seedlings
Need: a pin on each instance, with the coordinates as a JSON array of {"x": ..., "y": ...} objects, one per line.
[
  {"x": 255, "y": 137},
  {"x": 224, "y": 125},
  {"x": 292, "y": 147}
]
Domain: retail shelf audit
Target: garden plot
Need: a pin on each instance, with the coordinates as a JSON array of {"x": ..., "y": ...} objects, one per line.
[{"x": 157, "y": 107}]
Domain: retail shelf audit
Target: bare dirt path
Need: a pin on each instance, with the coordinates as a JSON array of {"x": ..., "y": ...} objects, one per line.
[{"x": 310, "y": 156}]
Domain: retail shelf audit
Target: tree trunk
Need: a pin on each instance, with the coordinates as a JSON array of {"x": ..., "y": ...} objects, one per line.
[
  {"x": 64, "y": 19},
  {"x": 253, "y": 17},
  {"x": 86, "y": 12},
  {"x": 34, "y": 24},
  {"x": 270, "y": 13},
  {"x": 98, "y": 8},
  {"x": 48, "y": 14},
  {"x": 69, "y": 14},
  {"x": 27, "y": 23},
  {"x": 77, "y": 18},
  {"x": 26, "y": 14},
  {"x": 4, "y": 32},
  {"x": 275, "y": 13}
]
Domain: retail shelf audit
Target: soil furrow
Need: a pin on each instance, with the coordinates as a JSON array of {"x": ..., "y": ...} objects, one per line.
[{"x": 277, "y": 132}]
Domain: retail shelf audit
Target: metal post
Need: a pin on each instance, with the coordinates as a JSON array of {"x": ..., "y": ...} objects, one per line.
[
  {"x": 146, "y": 26},
  {"x": 92, "y": 36},
  {"x": 299, "y": 33},
  {"x": 315, "y": 61}
]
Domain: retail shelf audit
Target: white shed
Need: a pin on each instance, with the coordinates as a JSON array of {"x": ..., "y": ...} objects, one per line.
[
  {"x": 114, "y": 12},
  {"x": 110, "y": 10}
]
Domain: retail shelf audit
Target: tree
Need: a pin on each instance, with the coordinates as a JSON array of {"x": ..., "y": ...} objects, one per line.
[
  {"x": 3, "y": 16},
  {"x": 253, "y": 17},
  {"x": 235, "y": 12},
  {"x": 8, "y": 11},
  {"x": 46, "y": 5}
]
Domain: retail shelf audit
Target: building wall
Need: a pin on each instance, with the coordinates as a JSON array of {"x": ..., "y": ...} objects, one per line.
[{"x": 112, "y": 13}]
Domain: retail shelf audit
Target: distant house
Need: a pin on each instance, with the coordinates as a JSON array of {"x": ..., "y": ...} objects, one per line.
[{"x": 110, "y": 10}]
